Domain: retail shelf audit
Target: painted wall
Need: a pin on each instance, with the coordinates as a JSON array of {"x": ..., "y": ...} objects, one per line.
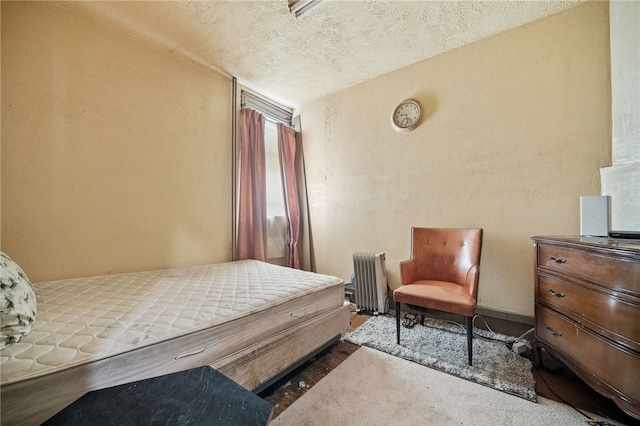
[
  {"x": 116, "y": 156},
  {"x": 621, "y": 181},
  {"x": 517, "y": 127}
]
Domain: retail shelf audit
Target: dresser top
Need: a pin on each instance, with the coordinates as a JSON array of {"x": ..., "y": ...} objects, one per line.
[{"x": 605, "y": 243}]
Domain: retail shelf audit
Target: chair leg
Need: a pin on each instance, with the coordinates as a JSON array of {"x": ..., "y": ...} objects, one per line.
[
  {"x": 421, "y": 319},
  {"x": 398, "y": 321},
  {"x": 469, "y": 324}
]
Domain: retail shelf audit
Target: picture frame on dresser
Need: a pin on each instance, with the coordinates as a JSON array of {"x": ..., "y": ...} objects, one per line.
[{"x": 587, "y": 311}]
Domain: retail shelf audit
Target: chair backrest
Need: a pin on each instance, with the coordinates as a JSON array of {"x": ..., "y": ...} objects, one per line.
[{"x": 446, "y": 254}]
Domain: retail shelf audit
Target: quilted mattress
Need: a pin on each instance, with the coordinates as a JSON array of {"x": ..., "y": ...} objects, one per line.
[{"x": 135, "y": 317}]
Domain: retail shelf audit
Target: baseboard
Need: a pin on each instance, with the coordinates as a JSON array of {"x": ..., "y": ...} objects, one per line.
[{"x": 504, "y": 315}]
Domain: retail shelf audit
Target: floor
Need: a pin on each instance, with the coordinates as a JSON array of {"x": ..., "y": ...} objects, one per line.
[{"x": 554, "y": 382}]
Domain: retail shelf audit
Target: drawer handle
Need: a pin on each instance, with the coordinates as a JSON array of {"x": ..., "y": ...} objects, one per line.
[
  {"x": 553, "y": 333},
  {"x": 555, "y": 293},
  {"x": 557, "y": 260}
]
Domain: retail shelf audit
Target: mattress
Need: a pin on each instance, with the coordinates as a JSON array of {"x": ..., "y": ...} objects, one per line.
[{"x": 106, "y": 330}]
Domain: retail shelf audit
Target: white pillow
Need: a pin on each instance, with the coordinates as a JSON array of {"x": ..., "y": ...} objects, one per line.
[{"x": 17, "y": 302}]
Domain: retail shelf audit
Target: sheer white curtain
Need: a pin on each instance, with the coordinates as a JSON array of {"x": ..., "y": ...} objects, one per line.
[{"x": 276, "y": 210}]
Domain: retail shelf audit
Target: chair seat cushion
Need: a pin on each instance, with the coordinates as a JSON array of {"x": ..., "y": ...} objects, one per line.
[{"x": 438, "y": 295}]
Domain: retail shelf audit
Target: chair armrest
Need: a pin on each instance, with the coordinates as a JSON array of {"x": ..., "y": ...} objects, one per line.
[
  {"x": 471, "y": 282},
  {"x": 408, "y": 271}
]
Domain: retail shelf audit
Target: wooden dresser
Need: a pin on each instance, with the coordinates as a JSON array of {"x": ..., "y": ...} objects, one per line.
[{"x": 587, "y": 312}]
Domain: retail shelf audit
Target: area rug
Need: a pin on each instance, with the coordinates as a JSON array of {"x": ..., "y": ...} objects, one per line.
[
  {"x": 372, "y": 388},
  {"x": 443, "y": 346}
]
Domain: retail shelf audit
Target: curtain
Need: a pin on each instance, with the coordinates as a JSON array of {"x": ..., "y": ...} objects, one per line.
[
  {"x": 252, "y": 199},
  {"x": 290, "y": 163},
  {"x": 304, "y": 246}
]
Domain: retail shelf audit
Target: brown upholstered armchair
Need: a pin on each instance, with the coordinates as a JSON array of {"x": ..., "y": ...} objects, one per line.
[{"x": 442, "y": 274}]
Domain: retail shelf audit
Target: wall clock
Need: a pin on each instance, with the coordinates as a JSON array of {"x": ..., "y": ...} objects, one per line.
[{"x": 406, "y": 116}]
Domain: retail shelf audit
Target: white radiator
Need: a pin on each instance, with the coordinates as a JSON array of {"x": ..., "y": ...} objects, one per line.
[{"x": 370, "y": 282}]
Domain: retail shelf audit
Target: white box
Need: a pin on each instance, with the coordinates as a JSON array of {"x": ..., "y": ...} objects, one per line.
[{"x": 595, "y": 214}]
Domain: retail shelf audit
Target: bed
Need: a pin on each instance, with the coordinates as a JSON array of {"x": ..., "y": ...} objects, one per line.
[{"x": 250, "y": 320}]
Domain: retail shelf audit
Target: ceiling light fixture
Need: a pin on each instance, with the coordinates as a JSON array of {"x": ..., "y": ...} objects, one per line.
[{"x": 301, "y": 7}]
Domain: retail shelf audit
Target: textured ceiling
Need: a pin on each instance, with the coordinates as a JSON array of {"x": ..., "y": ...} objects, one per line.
[{"x": 338, "y": 44}]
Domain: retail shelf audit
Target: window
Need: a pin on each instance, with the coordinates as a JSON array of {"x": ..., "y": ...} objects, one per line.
[
  {"x": 276, "y": 215},
  {"x": 269, "y": 208}
]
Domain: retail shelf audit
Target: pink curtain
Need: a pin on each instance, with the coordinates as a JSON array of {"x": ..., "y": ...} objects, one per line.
[
  {"x": 290, "y": 161},
  {"x": 252, "y": 199}
]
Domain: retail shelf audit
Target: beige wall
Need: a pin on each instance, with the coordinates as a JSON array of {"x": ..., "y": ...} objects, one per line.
[
  {"x": 115, "y": 155},
  {"x": 517, "y": 128}
]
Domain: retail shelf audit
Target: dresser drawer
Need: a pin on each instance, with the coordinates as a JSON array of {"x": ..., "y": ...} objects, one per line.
[
  {"x": 616, "y": 315},
  {"x": 610, "y": 271},
  {"x": 596, "y": 356}
]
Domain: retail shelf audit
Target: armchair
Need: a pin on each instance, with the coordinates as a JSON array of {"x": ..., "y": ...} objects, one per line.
[{"x": 442, "y": 274}]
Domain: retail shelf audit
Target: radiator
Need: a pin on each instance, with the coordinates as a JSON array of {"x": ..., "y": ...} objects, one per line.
[{"x": 370, "y": 282}]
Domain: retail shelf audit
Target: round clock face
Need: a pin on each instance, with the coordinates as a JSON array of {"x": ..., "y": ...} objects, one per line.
[{"x": 406, "y": 116}]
